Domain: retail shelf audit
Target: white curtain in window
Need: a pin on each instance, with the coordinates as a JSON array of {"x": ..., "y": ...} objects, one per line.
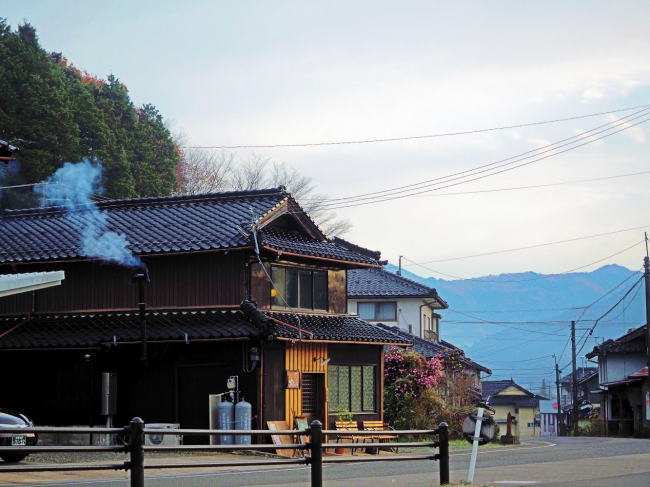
[
  {"x": 386, "y": 311},
  {"x": 366, "y": 311}
]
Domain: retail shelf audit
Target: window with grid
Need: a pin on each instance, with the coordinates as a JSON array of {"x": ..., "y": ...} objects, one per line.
[
  {"x": 351, "y": 387},
  {"x": 308, "y": 394},
  {"x": 301, "y": 288}
]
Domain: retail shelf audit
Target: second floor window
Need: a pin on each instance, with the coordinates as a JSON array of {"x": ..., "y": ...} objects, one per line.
[
  {"x": 302, "y": 288},
  {"x": 380, "y": 311}
]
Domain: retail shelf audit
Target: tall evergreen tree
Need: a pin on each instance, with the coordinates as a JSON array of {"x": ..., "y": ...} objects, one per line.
[{"x": 56, "y": 113}]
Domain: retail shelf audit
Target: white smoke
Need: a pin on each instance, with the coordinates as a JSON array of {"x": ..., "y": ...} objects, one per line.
[{"x": 72, "y": 186}]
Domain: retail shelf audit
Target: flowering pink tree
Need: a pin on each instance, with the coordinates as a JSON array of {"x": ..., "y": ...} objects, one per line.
[{"x": 409, "y": 379}]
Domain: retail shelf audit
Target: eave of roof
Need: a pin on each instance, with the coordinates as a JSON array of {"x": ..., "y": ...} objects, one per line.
[{"x": 101, "y": 329}]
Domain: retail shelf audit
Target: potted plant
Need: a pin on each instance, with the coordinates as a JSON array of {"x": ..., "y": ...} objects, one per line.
[{"x": 345, "y": 416}]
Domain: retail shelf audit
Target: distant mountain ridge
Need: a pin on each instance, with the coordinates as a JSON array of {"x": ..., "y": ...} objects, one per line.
[{"x": 534, "y": 315}]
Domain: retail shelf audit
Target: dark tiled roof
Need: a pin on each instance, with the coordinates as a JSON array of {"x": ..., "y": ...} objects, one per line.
[
  {"x": 150, "y": 225},
  {"x": 379, "y": 283},
  {"x": 631, "y": 342},
  {"x": 375, "y": 254},
  {"x": 336, "y": 327},
  {"x": 430, "y": 349},
  {"x": 287, "y": 241},
  {"x": 93, "y": 329},
  {"x": 580, "y": 372},
  {"x": 518, "y": 401},
  {"x": 160, "y": 225},
  {"x": 492, "y": 388}
]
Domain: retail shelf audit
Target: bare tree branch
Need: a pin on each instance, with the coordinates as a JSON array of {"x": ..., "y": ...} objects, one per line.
[{"x": 202, "y": 171}]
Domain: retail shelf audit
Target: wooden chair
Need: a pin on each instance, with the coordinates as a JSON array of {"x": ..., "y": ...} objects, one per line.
[
  {"x": 381, "y": 426},
  {"x": 349, "y": 426}
]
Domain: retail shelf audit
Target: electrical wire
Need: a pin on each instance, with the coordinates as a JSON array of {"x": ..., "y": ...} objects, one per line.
[
  {"x": 394, "y": 139},
  {"x": 532, "y": 246},
  {"x": 547, "y": 276},
  {"x": 358, "y": 202},
  {"x": 500, "y": 163}
]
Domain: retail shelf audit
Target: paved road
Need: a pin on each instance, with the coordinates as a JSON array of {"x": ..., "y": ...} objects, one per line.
[{"x": 574, "y": 462}]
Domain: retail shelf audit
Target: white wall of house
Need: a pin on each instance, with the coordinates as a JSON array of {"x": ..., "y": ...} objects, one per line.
[{"x": 416, "y": 312}]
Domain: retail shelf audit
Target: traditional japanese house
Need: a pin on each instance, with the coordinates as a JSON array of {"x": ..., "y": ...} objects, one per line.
[
  {"x": 208, "y": 305},
  {"x": 623, "y": 385}
]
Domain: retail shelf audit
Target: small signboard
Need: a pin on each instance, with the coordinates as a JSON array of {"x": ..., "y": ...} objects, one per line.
[{"x": 293, "y": 379}]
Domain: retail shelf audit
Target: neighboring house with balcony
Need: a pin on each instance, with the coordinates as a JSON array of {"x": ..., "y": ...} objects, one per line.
[
  {"x": 623, "y": 379},
  {"x": 379, "y": 296}
]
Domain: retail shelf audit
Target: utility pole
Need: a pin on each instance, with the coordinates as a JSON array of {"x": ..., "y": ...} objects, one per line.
[
  {"x": 560, "y": 423},
  {"x": 574, "y": 381},
  {"x": 399, "y": 271},
  {"x": 646, "y": 278}
]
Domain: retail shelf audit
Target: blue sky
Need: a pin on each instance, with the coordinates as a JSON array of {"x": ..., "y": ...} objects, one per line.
[{"x": 231, "y": 73}]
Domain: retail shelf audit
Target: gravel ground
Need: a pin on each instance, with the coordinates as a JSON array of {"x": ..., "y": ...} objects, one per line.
[{"x": 112, "y": 457}]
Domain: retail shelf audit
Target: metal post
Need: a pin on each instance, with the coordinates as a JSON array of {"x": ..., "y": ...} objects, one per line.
[
  {"x": 646, "y": 278},
  {"x": 574, "y": 382},
  {"x": 443, "y": 436},
  {"x": 316, "y": 448},
  {"x": 477, "y": 436},
  {"x": 560, "y": 422},
  {"x": 143, "y": 321},
  {"x": 136, "y": 450}
]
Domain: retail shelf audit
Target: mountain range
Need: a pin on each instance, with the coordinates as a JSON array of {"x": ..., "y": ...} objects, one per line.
[{"x": 514, "y": 323}]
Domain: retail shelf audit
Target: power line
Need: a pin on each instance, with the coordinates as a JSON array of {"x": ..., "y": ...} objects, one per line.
[
  {"x": 359, "y": 202},
  {"x": 547, "y": 276},
  {"x": 610, "y": 310},
  {"x": 514, "y": 159},
  {"x": 533, "y": 246},
  {"x": 563, "y": 183},
  {"x": 395, "y": 139}
]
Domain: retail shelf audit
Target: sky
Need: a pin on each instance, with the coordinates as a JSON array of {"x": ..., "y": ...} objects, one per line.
[{"x": 292, "y": 72}]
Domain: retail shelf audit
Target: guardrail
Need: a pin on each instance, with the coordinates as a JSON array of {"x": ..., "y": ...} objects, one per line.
[{"x": 135, "y": 446}]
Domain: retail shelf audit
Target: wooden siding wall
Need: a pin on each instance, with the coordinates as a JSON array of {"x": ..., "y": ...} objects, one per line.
[
  {"x": 185, "y": 280},
  {"x": 301, "y": 357},
  {"x": 260, "y": 286},
  {"x": 337, "y": 291}
]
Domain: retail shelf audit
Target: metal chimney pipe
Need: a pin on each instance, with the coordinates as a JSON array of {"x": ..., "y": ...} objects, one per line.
[{"x": 142, "y": 277}]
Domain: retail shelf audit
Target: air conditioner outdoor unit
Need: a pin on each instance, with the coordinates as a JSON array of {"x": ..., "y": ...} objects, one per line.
[{"x": 163, "y": 440}]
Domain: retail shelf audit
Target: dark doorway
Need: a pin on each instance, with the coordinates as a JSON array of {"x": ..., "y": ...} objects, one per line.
[
  {"x": 195, "y": 384},
  {"x": 313, "y": 397}
]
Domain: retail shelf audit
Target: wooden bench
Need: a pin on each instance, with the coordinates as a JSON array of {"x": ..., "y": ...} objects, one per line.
[
  {"x": 349, "y": 426},
  {"x": 380, "y": 426}
]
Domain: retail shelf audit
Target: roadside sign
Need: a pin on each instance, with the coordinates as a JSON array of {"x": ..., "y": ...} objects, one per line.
[{"x": 487, "y": 428}]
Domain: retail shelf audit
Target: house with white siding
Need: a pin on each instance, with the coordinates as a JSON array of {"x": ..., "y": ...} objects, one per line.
[{"x": 379, "y": 296}]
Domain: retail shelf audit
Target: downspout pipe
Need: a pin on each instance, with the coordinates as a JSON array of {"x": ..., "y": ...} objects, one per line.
[{"x": 142, "y": 277}]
